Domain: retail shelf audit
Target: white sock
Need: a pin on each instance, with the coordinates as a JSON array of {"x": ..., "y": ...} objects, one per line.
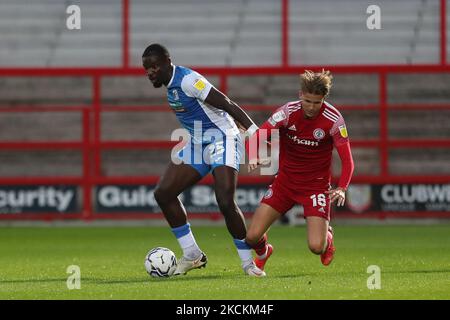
[
  {"x": 244, "y": 251},
  {"x": 187, "y": 241},
  {"x": 190, "y": 248}
]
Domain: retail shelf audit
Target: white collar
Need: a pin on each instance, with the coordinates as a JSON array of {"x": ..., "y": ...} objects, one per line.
[{"x": 173, "y": 74}]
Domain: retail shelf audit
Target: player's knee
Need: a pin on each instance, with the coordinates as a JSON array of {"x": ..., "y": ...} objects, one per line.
[{"x": 316, "y": 246}]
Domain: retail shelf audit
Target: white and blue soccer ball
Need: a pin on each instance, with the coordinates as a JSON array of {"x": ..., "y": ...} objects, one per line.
[{"x": 160, "y": 262}]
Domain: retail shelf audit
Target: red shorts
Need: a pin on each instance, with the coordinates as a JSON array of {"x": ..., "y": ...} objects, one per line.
[{"x": 315, "y": 202}]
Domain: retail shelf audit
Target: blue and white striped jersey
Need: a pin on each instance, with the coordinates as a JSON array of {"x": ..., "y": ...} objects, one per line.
[{"x": 186, "y": 93}]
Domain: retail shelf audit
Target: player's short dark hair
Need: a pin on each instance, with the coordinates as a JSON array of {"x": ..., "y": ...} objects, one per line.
[{"x": 156, "y": 49}]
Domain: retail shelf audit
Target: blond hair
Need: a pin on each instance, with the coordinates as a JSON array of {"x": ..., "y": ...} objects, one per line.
[{"x": 316, "y": 83}]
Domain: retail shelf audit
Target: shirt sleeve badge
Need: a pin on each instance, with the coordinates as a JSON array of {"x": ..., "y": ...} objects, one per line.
[
  {"x": 343, "y": 131},
  {"x": 199, "y": 85}
]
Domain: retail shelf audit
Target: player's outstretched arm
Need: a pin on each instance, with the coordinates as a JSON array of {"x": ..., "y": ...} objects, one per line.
[
  {"x": 218, "y": 100},
  {"x": 255, "y": 140},
  {"x": 278, "y": 119}
]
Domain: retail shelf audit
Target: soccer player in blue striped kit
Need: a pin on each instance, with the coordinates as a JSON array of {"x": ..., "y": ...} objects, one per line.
[{"x": 215, "y": 146}]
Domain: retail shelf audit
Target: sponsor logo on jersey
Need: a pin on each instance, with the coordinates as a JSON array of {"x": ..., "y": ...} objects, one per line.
[
  {"x": 303, "y": 141},
  {"x": 177, "y": 106},
  {"x": 343, "y": 131},
  {"x": 199, "y": 85},
  {"x": 292, "y": 127},
  {"x": 279, "y": 116},
  {"x": 322, "y": 210},
  {"x": 318, "y": 133}
]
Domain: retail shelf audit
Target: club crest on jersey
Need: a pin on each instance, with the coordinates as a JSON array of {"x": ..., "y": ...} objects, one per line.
[
  {"x": 268, "y": 194},
  {"x": 318, "y": 133},
  {"x": 175, "y": 94}
]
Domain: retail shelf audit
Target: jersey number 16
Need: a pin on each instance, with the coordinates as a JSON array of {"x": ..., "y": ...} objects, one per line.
[{"x": 319, "y": 199}]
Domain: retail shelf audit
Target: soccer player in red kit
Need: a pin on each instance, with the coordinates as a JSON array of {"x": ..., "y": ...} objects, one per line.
[{"x": 308, "y": 130}]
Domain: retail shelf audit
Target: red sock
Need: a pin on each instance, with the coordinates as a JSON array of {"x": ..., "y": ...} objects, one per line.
[{"x": 261, "y": 247}]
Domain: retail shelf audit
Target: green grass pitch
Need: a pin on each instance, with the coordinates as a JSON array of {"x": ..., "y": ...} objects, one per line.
[{"x": 414, "y": 262}]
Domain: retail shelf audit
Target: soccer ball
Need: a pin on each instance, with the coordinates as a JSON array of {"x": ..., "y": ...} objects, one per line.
[{"x": 160, "y": 262}]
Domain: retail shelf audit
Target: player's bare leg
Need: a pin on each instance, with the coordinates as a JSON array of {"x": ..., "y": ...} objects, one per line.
[
  {"x": 317, "y": 234},
  {"x": 263, "y": 218},
  {"x": 320, "y": 238},
  {"x": 175, "y": 180},
  {"x": 225, "y": 182}
]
